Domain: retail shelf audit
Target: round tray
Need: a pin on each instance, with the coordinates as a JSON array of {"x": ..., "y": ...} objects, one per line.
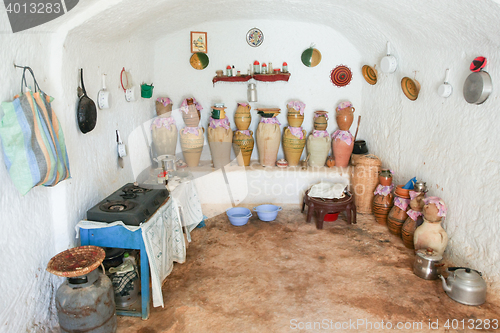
[
  {"x": 370, "y": 74},
  {"x": 341, "y": 76},
  {"x": 76, "y": 261}
]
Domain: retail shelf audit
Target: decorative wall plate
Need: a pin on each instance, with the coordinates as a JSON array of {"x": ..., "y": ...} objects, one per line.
[
  {"x": 410, "y": 88},
  {"x": 341, "y": 76},
  {"x": 370, "y": 74},
  {"x": 199, "y": 60},
  {"x": 255, "y": 37},
  {"x": 311, "y": 57}
]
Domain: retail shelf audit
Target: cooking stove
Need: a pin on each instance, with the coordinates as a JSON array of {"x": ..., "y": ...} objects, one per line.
[{"x": 131, "y": 204}]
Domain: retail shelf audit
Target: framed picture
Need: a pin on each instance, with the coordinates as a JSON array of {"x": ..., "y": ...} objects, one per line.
[{"x": 198, "y": 42}]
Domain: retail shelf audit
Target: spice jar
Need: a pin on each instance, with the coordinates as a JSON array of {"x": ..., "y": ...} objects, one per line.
[
  {"x": 285, "y": 67},
  {"x": 256, "y": 67}
]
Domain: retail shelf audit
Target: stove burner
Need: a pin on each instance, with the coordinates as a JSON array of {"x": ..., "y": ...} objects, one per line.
[
  {"x": 135, "y": 189},
  {"x": 117, "y": 206},
  {"x": 128, "y": 196}
]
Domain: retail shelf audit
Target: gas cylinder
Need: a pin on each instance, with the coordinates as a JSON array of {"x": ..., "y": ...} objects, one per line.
[{"x": 86, "y": 303}]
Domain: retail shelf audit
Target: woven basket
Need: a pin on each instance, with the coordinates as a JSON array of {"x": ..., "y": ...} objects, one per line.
[
  {"x": 364, "y": 181},
  {"x": 76, "y": 261}
]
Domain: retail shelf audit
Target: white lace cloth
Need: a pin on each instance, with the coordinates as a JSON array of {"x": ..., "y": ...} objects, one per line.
[
  {"x": 162, "y": 233},
  {"x": 327, "y": 190}
]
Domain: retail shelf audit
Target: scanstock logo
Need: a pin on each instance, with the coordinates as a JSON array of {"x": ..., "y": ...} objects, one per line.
[{"x": 26, "y": 14}]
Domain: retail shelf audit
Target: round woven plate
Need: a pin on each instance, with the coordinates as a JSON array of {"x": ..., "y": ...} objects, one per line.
[
  {"x": 341, "y": 76},
  {"x": 410, "y": 88},
  {"x": 76, "y": 261},
  {"x": 369, "y": 74}
]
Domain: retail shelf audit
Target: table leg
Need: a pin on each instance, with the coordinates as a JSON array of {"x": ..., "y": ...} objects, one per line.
[
  {"x": 303, "y": 203},
  {"x": 320, "y": 218},
  {"x": 348, "y": 216},
  {"x": 310, "y": 211},
  {"x": 144, "y": 282},
  {"x": 353, "y": 213}
]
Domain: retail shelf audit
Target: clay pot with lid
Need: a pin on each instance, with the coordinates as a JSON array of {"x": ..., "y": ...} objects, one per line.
[
  {"x": 295, "y": 119},
  {"x": 192, "y": 118},
  {"x": 385, "y": 177},
  {"x": 345, "y": 117},
  {"x": 320, "y": 121}
]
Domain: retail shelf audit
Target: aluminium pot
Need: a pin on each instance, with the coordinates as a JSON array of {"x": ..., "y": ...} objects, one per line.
[
  {"x": 427, "y": 264},
  {"x": 477, "y": 87}
]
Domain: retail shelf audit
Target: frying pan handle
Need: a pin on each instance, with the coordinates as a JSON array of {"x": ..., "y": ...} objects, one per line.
[{"x": 83, "y": 86}]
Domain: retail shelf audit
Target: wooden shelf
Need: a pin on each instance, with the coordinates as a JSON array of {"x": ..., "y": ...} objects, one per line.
[{"x": 257, "y": 77}]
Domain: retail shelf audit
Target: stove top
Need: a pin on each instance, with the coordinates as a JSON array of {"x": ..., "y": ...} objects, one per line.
[{"x": 131, "y": 204}]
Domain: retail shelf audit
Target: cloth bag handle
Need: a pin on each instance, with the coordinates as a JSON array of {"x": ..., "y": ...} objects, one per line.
[{"x": 23, "y": 80}]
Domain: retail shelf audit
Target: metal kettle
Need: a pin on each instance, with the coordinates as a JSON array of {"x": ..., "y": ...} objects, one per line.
[{"x": 465, "y": 286}]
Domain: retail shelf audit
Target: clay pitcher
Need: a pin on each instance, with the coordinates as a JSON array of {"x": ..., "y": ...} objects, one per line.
[
  {"x": 268, "y": 143},
  {"x": 192, "y": 117},
  {"x": 164, "y": 135},
  {"x": 220, "y": 141},
  {"x": 192, "y": 144},
  {"x": 293, "y": 146},
  {"x": 381, "y": 207},
  {"x": 295, "y": 119},
  {"x": 318, "y": 149},
  {"x": 242, "y": 116},
  {"x": 320, "y": 120},
  {"x": 243, "y": 146},
  {"x": 342, "y": 150},
  {"x": 345, "y": 118}
]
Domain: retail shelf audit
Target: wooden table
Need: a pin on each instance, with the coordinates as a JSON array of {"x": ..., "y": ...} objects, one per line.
[{"x": 329, "y": 206}]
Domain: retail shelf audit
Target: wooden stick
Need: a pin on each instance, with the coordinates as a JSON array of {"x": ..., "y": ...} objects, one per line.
[{"x": 357, "y": 128}]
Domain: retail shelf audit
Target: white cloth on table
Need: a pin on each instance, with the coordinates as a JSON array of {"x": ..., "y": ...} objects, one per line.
[
  {"x": 162, "y": 234},
  {"x": 327, "y": 190}
]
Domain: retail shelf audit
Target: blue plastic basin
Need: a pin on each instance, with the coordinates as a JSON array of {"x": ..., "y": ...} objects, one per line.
[
  {"x": 238, "y": 216},
  {"x": 267, "y": 213}
]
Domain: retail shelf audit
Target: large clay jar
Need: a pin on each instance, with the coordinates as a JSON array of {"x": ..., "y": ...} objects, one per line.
[
  {"x": 243, "y": 143},
  {"x": 242, "y": 117},
  {"x": 320, "y": 120},
  {"x": 345, "y": 117},
  {"x": 164, "y": 135},
  {"x": 396, "y": 219},
  {"x": 268, "y": 143},
  {"x": 342, "y": 145},
  {"x": 295, "y": 115},
  {"x": 414, "y": 219},
  {"x": 192, "y": 140},
  {"x": 294, "y": 140},
  {"x": 382, "y": 204},
  {"x": 192, "y": 116},
  {"x": 431, "y": 234},
  {"x": 220, "y": 139},
  {"x": 318, "y": 148}
]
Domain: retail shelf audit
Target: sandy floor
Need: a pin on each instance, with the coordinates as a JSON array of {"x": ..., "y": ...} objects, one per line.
[{"x": 286, "y": 275}]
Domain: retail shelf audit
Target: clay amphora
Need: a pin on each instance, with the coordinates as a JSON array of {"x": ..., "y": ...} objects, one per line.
[
  {"x": 220, "y": 142},
  {"x": 345, "y": 118},
  {"x": 162, "y": 109},
  {"x": 192, "y": 118},
  {"x": 318, "y": 149},
  {"x": 268, "y": 143},
  {"x": 293, "y": 147},
  {"x": 382, "y": 204},
  {"x": 294, "y": 118},
  {"x": 342, "y": 152},
  {"x": 395, "y": 220},
  {"x": 192, "y": 145},
  {"x": 164, "y": 139},
  {"x": 243, "y": 147},
  {"x": 242, "y": 116},
  {"x": 320, "y": 121}
]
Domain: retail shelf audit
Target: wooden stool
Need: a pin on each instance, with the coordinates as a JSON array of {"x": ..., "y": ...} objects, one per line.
[{"x": 329, "y": 206}]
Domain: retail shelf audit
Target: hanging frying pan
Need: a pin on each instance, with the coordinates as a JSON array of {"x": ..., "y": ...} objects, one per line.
[
  {"x": 87, "y": 112},
  {"x": 477, "y": 87}
]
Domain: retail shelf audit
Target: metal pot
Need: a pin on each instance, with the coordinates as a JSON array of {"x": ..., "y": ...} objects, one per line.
[
  {"x": 427, "y": 264},
  {"x": 104, "y": 96},
  {"x": 477, "y": 87},
  {"x": 465, "y": 286}
]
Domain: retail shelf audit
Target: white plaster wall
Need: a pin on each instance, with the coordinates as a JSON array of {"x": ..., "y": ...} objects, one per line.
[{"x": 283, "y": 41}]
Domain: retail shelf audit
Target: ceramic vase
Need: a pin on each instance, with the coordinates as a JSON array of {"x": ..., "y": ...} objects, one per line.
[
  {"x": 192, "y": 145},
  {"x": 268, "y": 143},
  {"x": 243, "y": 146},
  {"x": 320, "y": 120},
  {"x": 242, "y": 116},
  {"x": 342, "y": 152},
  {"x": 318, "y": 149},
  {"x": 345, "y": 118},
  {"x": 164, "y": 136},
  {"x": 293, "y": 146},
  {"x": 220, "y": 142},
  {"x": 382, "y": 205},
  {"x": 192, "y": 117},
  {"x": 395, "y": 220},
  {"x": 295, "y": 119}
]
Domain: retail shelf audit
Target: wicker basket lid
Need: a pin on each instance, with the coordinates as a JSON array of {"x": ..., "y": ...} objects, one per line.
[
  {"x": 76, "y": 261},
  {"x": 369, "y": 159}
]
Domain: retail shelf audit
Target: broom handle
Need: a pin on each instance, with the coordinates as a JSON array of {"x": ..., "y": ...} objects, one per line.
[{"x": 357, "y": 128}]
